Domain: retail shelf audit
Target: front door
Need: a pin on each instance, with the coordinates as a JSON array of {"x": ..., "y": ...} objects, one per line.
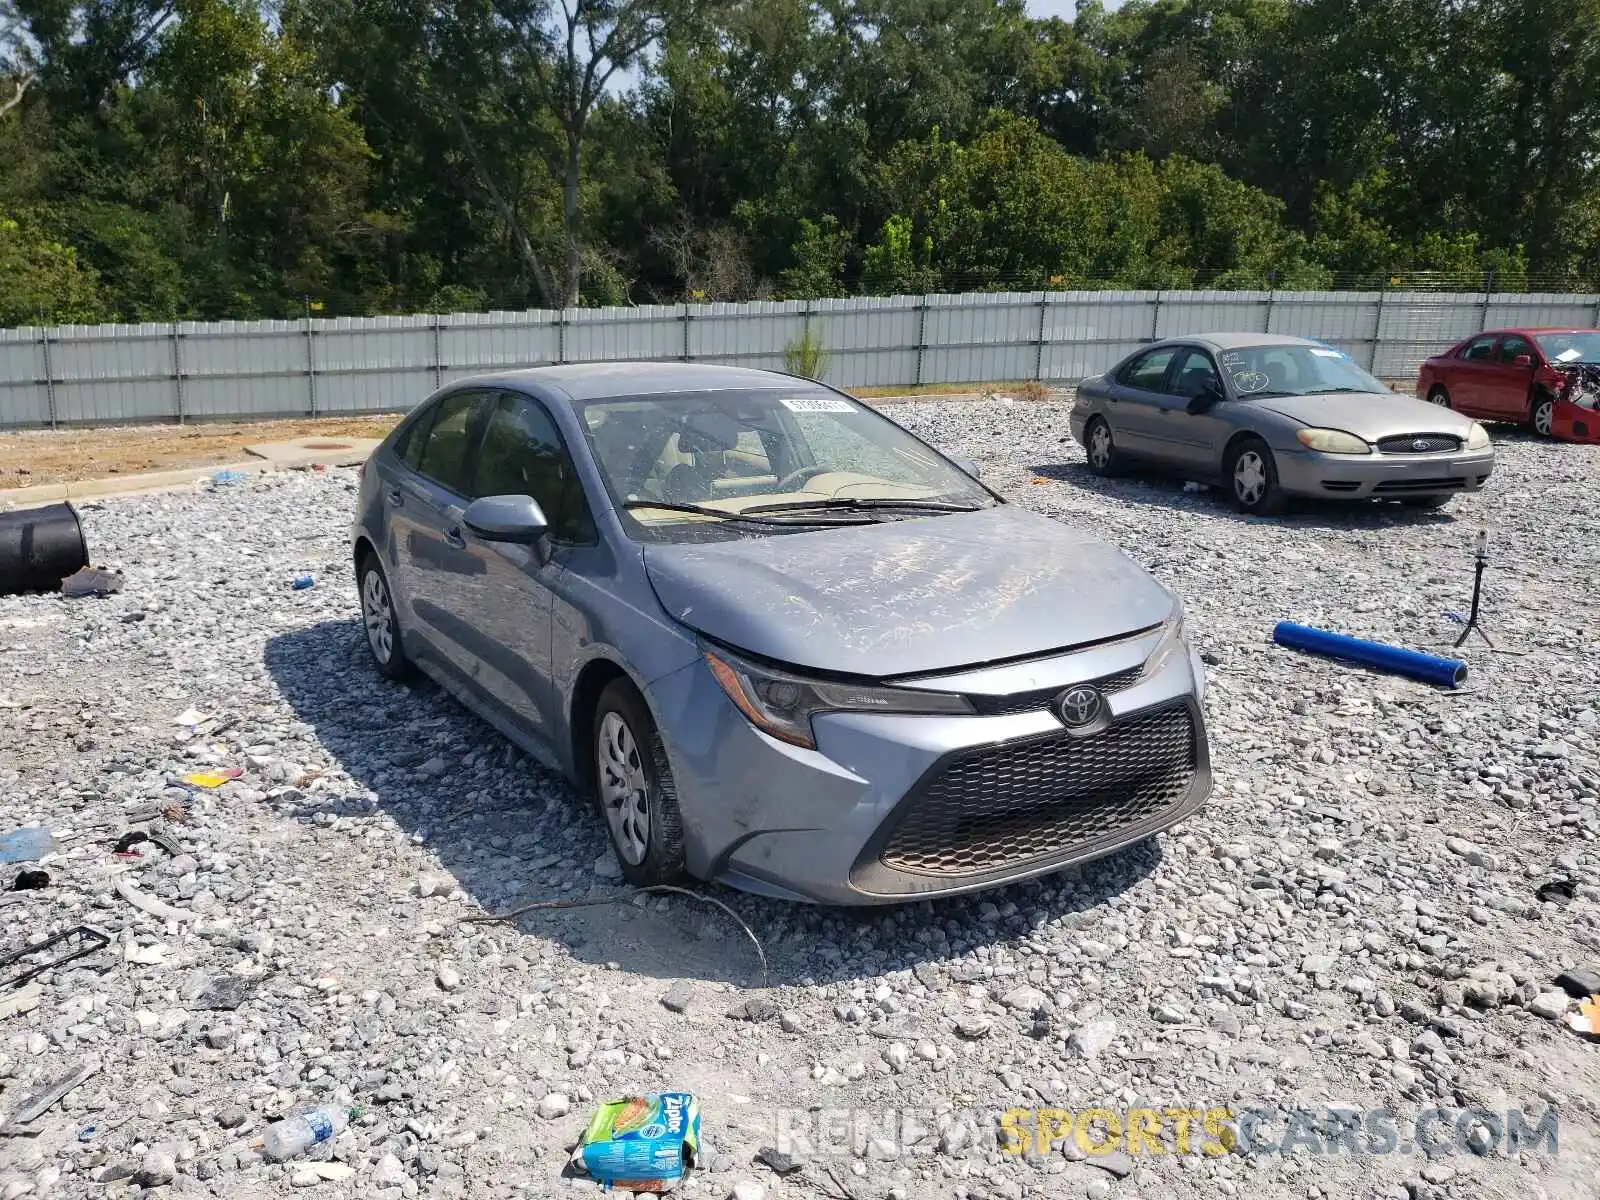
[
  {"x": 1506, "y": 383},
  {"x": 1196, "y": 438},
  {"x": 510, "y": 619},
  {"x": 438, "y": 570}
]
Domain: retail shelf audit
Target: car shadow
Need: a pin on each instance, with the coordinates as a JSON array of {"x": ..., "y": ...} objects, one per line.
[
  {"x": 511, "y": 833},
  {"x": 1170, "y": 491}
]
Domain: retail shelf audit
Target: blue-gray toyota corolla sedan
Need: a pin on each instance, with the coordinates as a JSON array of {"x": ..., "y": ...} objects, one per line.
[{"x": 779, "y": 640}]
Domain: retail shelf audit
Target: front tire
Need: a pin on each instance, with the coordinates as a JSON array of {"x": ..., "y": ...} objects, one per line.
[
  {"x": 382, "y": 621},
  {"x": 1543, "y": 417},
  {"x": 1252, "y": 475},
  {"x": 634, "y": 788},
  {"x": 1101, "y": 448}
]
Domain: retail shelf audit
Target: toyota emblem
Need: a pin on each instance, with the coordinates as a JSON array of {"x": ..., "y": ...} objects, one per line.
[{"x": 1079, "y": 706}]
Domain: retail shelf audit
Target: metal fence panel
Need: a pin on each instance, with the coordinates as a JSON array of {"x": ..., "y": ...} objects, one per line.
[{"x": 254, "y": 369}]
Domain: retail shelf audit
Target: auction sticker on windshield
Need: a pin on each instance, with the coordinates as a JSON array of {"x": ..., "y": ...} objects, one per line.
[{"x": 816, "y": 404}]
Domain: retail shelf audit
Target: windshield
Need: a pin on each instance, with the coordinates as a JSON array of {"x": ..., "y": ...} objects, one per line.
[
  {"x": 1570, "y": 346},
  {"x": 744, "y": 463},
  {"x": 1295, "y": 371}
]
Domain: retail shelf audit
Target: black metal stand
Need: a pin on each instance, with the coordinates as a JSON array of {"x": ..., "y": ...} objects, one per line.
[{"x": 1477, "y": 595}]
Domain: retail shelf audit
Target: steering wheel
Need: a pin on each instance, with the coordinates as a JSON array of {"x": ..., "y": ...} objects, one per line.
[{"x": 795, "y": 478}]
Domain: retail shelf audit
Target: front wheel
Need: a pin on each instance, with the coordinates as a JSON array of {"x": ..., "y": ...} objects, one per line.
[
  {"x": 1544, "y": 414},
  {"x": 1253, "y": 478},
  {"x": 634, "y": 788}
]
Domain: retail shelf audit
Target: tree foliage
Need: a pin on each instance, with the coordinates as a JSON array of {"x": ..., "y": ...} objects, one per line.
[{"x": 205, "y": 158}]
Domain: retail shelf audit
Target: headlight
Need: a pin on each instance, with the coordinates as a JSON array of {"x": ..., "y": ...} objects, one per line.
[
  {"x": 1172, "y": 642},
  {"x": 1477, "y": 437},
  {"x": 782, "y": 704},
  {"x": 1332, "y": 441}
]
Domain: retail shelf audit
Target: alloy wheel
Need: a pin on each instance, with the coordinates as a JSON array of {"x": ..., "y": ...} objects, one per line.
[
  {"x": 378, "y": 614},
  {"x": 624, "y": 788},
  {"x": 1249, "y": 478},
  {"x": 1544, "y": 417},
  {"x": 1100, "y": 446}
]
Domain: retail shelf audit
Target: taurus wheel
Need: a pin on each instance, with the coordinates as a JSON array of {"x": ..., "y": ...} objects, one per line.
[
  {"x": 1101, "y": 448},
  {"x": 1544, "y": 414},
  {"x": 634, "y": 788},
  {"x": 1253, "y": 478},
  {"x": 382, "y": 624}
]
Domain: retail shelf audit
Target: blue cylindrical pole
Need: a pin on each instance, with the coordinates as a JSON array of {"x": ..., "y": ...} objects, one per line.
[{"x": 1429, "y": 668}]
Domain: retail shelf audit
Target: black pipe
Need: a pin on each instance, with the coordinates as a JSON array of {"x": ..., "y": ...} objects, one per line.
[{"x": 39, "y": 547}]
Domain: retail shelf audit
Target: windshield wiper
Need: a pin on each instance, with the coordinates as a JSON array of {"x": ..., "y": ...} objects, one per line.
[
  {"x": 706, "y": 510},
  {"x": 847, "y": 504},
  {"x": 1330, "y": 391}
]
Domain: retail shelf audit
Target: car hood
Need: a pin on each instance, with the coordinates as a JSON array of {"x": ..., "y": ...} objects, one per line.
[
  {"x": 1370, "y": 415},
  {"x": 909, "y": 597}
]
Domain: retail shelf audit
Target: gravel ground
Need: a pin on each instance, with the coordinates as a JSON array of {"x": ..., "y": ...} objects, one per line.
[{"x": 1352, "y": 921}]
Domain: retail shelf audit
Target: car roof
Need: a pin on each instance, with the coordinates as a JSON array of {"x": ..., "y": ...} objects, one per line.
[
  {"x": 1527, "y": 329},
  {"x": 1238, "y": 341},
  {"x": 604, "y": 380}
]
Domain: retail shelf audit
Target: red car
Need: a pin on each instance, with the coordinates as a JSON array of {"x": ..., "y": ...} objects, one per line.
[{"x": 1548, "y": 379}]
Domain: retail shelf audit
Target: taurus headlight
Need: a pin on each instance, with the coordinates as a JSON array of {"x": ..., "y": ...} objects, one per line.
[
  {"x": 782, "y": 704},
  {"x": 1477, "y": 437},
  {"x": 1332, "y": 441}
]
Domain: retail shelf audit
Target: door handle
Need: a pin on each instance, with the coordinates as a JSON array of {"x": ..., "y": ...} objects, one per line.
[
  {"x": 396, "y": 497},
  {"x": 453, "y": 536}
]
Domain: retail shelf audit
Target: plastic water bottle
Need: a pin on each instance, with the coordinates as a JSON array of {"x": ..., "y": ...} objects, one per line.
[{"x": 293, "y": 1136}]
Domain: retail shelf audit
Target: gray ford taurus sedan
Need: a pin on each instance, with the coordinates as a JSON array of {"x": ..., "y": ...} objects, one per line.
[
  {"x": 1273, "y": 417},
  {"x": 782, "y": 643}
]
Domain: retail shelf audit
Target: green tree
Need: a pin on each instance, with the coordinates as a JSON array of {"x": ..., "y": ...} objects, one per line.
[{"x": 43, "y": 279}]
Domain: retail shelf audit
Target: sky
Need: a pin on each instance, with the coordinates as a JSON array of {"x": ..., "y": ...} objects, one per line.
[{"x": 1062, "y": 8}]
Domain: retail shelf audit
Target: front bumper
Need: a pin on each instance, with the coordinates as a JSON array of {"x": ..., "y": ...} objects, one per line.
[
  {"x": 1575, "y": 423},
  {"x": 1382, "y": 476},
  {"x": 831, "y": 825}
]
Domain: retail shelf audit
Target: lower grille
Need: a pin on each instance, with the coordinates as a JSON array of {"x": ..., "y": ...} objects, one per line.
[
  {"x": 1005, "y": 805},
  {"x": 1340, "y": 485},
  {"x": 1419, "y": 443},
  {"x": 1041, "y": 698},
  {"x": 1441, "y": 484}
]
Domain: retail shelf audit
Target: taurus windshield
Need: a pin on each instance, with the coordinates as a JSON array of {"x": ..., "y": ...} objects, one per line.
[
  {"x": 1289, "y": 370},
  {"x": 804, "y": 454}
]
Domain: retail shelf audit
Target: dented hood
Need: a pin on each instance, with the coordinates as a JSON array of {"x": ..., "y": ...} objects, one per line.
[
  {"x": 1368, "y": 415},
  {"x": 908, "y": 597}
]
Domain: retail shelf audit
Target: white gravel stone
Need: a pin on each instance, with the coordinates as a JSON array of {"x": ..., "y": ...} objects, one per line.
[{"x": 554, "y": 1105}]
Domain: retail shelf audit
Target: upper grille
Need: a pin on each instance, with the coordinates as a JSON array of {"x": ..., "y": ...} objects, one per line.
[
  {"x": 1005, "y": 805},
  {"x": 1419, "y": 443},
  {"x": 1040, "y": 698}
]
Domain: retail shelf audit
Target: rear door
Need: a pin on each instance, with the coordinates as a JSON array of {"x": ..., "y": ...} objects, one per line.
[
  {"x": 1134, "y": 404},
  {"x": 1470, "y": 375},
  {"x": 1506, "y": 385},
  {"x": 426, "y": 502}
]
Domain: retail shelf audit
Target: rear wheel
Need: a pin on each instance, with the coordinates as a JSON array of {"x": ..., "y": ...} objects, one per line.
[
  {"x": 1544, "y": 413},
  {"x": 1101, "y": 448},
  {"x": 382, "y": 621},
  {"x": 1253, "y": 478},
  {"x": 1439, "y": 396},
  {"x": 634, "y": 788}
]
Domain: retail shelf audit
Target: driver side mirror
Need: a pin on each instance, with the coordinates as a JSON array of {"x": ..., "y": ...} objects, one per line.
[
  {"x": 1522, "y": 360},
  {"x": 516, "y": 519},
  {"x": 967, "y": 465},
  {"x": 1206, "y": 397}
]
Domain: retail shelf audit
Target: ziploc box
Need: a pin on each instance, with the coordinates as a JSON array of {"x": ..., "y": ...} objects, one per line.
[{"x": 642, "y": 1143}]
